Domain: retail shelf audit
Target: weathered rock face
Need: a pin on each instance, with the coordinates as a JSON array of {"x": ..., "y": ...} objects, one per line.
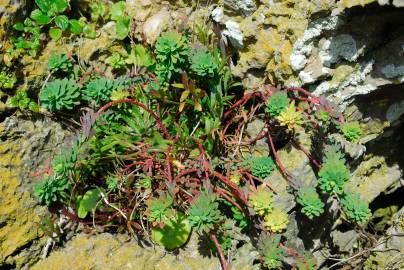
[
  {"x": 25, "y": 143},
  {"x": 106, "y": 251},
  {"x": 352, "y": 51}
]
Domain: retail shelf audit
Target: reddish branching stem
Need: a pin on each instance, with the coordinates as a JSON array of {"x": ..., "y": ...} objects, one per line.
[
  {"x": 186, "y": 172},
  {"x": 222, "y": 192},
  {"x": 235, "y": 189},
  {"x": 278, "y": 162},
  {"x": 313, "y": 99},
  {"x": 144, "y": 107},
  {"x": 204, "y": 161},
  {"x": 222, "y": 258},
  {"x": 241, "y": 102}
]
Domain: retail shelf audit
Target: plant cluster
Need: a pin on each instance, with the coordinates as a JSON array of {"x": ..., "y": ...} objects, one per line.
[
  {"x": 261, "y": 167},
  {"x": 271, "y": 252},
  {"x": 160, "y": 148},
  {"x": 355, "y": 208},
  {"x": 60, "y": 94},
  {"x": 52, "y": 189},
  {"x": 311, "y": 204},
  {"x": 277, "y": 103},
  {"x": 21, "y": 101},
  {"x": 204, "y": 213},
  {"x": 351, "y": 131},
  {"x": 7, "y": 81},
  {"x": 334, "y": 173},
  {"x": 59, "y": 62},
  {"x": 261, "y": 200}
]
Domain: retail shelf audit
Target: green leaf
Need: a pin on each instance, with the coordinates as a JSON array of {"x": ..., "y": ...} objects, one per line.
[
  {"x": 88, "y": 202},
  {"x": 55, "y": 33},
  {"x": 81, "y": 211},
  {"x": 39, "y": 17},
  {"x": 122, "y": 27},
  {"x": 117, "y": 10},
  {"x": 33, "y": 106},
  {"x": 19, "y": 26},
  {"x": 13, "y": 102},
  {"x": 60, "y": 5},
  {"x": 89, "y": 31},
  {"x": 44, "y": 5},
  {"x": 175, "y": 232},
  {"x": 140, "y": 56},
  {"x": 62, "y": 21},
  {"x": 75, "y": 27}
]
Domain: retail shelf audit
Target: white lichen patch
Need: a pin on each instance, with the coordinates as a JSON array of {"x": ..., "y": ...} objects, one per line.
[
  {"x": 341, "y": 47},
  {"x": 304, "y": 46},
  {"x": 233, "y": 34}
]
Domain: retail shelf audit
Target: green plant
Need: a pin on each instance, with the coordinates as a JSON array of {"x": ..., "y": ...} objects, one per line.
[
  {"x": 29, "y": 40},
  {"x": 99, "y": 90},
  {"x": 261, "y": 200},
  {"x": 112, "y": 183},
  {"x": 64, "y": 164},
  {"x": 351, "y": 131},
  {"x": 88, "y": 202},
  {"x": 272, "y": 254},
  {"x": 334, "y": 173},
  {"x": 308, "y": 198},
  {"x": 7, "y": 81},
  {"x": 291, "y": 118},
  {"x": 98, "y": 11},
  {"x": 116, "y": 61},
  {"x": 60, "y": 62},
  {"x": 355, "y": 208},
  {"x": 22, "y": 101},
  {"x": 277, "y": 220},
  {"x": 171, "y": 53},
  {"x": 204, "y": 213},
  {"x": 175, "y": 233},
  {"x": 203, "y": 63},
  {"x": 158, "y": 208},
  {"x": 140, "y": 56},
  {"x": 51, "y": 189},
  {"x": 122, "y": 21},
  {"x": 261, "y": 167},
  {"x": 60, "y": 94},
  {"x": 277, "y": 103},
  {"x": 242, "y": 221}
]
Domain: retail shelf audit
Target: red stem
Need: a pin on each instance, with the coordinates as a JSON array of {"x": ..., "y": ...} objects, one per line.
[
  {"x": 222, "y": 193},
  {"x": 307, "y": 93},
  {"x": 278, "y": 162},
  {"x": 204, "y": 161},
  {"x": 137, "y": 103},
  {"x": 185, "y": 172},
  {"x": 231, "y": 185},
  {"x": 241, "y": 102},
  {"x": 223, "y": 261}
]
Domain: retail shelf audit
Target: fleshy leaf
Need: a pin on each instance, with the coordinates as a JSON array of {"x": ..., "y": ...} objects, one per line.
[{"x": 175, "y": 232}]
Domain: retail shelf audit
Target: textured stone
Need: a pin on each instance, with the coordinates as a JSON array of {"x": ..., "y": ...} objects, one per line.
[
  {"x": 105, "y": 251},
  {"x": 24, "y": 145},
  {"x": 155, "y": 25}
]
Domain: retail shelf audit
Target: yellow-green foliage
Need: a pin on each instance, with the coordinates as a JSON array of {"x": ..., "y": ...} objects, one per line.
[
  {"x": 277, "y": 220},
  {"x": 261, "y": 200},
  {"x": 291, "y": 118}
]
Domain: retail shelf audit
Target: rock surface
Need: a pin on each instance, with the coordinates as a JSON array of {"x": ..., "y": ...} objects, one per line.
[
  {"x": 105, "y": 251},
  {"x": 25, "y": 143}
]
